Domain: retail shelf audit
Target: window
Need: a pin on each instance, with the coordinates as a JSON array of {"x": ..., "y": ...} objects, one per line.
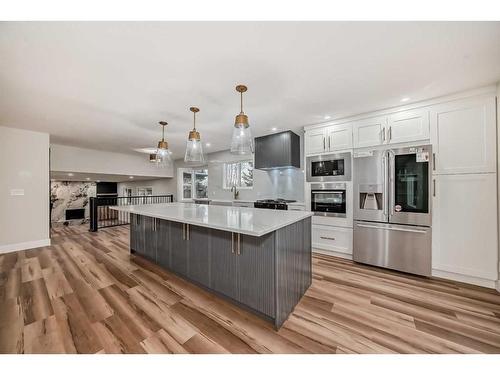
[
  {"x": 193, "y": 184},
  {"x": 127, "y": 192},
  {"x": 144, "y": 191},
  {"x": 239, "y": 174}
]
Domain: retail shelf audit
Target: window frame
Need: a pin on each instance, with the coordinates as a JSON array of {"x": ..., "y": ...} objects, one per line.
[
  {"x": 180, "y": 183},
  {"x": 224, "y": 174}
]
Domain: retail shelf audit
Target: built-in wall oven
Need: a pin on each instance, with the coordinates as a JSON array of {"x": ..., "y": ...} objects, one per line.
[
  {"x": 328, "y": 199},
  {"x": 329, "y": 167}
]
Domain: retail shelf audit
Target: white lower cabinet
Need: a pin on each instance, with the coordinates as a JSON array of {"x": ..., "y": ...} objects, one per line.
[
  {"x": 334, "y": 239},
  {"x": 464, "y": 228}
]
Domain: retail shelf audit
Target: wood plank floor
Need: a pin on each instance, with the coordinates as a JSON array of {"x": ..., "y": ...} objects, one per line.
[{"x": 86, "y": 294}]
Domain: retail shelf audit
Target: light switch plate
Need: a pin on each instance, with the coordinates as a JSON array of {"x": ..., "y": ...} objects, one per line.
[{"x": 16, "y": 191}]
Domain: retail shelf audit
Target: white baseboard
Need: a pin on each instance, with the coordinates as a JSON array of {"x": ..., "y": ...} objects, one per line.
[
  {"x": 332, "y": 253},
  {"x": 492, "y": 284},
  {"x": 24, "y": 246}
]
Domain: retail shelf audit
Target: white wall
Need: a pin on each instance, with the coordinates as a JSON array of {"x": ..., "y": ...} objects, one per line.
[
  {"x": 160, "y": 186},
  {"x": 287, "y": 183},
  {"x": 498, "y": 176},
  {"x": 24, "y": 166},
  {"x": 75, "y": 159}
]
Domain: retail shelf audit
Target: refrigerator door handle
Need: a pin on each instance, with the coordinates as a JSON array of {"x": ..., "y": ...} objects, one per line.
[
  {"x": 398, "y": 229},
  {"x": 392, "y": 178},
  {"x": 385, "y": 175}
]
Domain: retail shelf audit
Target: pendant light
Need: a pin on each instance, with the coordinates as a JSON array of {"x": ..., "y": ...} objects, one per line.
[
  {"x": 194, "y": 150},
  {"x": 163, "y": 158},
  {"x": 241, "y": 142}
]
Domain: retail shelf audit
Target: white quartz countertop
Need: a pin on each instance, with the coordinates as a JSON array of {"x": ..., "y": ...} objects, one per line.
[{"x": 251, "y": 221}]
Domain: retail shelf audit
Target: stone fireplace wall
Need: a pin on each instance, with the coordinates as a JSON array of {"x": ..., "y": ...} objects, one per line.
[{"x": 70, "y": 194}]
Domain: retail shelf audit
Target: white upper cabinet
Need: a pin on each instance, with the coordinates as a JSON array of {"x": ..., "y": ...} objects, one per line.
[
  {"x": 370, "y": 132},
  {"x": 315, "y": 141},
  {"x": 408, "y": 126},
  {"x": 328, "y": 139},
  {"x": 463, "y": 136},
  {"x": 339, "y": 137},
  {"x": 464, "y": 225}
]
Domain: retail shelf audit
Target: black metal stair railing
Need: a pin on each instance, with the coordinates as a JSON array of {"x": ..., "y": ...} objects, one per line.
[{"x": 102, "y": 216}]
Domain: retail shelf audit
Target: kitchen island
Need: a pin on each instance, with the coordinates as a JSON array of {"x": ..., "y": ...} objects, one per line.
[{"x": 257, "y": 258}]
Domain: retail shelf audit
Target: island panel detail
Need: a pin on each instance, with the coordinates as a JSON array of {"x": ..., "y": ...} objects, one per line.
[{"x": 265, "y": 274}]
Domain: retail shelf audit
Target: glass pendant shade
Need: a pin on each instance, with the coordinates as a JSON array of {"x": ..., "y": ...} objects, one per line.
[
  {"x": 163, "y": 156},
  {"x": 194, "y": 149},
  {"x": 241, "y": 141}
]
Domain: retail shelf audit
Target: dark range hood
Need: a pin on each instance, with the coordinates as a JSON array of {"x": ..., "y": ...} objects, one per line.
[{"x": 279, "y": 150}]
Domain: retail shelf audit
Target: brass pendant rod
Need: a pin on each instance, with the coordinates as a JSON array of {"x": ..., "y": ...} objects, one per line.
[
  {"x": 194, "y": 121},
  {"x": 241, "y": 102}
]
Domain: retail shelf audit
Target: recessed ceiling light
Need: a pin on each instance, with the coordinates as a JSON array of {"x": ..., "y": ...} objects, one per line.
[
  {"x": 88, "y": 178},
  {"x": 70, "y": 174},
  {"x": 146, "y": 150},
  {"x": 405, "y": 99},
  {"x": 131, "y": 177},
  {"x": 274, "y": 129},
  {"x": 328, "y": 117},
  {"x": 207, "y": 144},
  {"x": 97, "y": 180}
]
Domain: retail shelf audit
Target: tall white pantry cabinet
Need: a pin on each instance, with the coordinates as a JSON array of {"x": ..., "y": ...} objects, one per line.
[
  {"x": 464, "y": 220},
  {"x": 463, "y": 132}
]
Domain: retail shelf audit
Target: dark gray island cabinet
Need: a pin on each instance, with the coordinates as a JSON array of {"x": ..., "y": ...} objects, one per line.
[{"x": 266, "y": 274}]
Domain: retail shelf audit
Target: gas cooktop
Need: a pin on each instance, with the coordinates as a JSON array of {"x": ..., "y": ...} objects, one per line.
[
  {"x": 278, "y": 200},
  {"x": 275, "y": 204}
]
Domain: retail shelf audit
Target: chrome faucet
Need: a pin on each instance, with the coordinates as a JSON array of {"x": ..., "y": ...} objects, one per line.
[{"x": 235, "y": 192}]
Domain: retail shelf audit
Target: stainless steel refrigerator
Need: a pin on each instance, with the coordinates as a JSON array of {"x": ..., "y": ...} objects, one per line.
[{"x": 392, "y": 208}]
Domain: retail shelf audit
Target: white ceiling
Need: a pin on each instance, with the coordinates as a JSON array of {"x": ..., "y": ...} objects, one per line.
[{"x": 105, "y": 85}]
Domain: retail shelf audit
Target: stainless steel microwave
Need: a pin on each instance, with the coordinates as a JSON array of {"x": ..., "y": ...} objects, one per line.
[{"x": 329, "y": 167}]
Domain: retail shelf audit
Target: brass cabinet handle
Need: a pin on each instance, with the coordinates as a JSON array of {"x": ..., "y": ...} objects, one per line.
[
  {"x": 183, "y": 231},
  {"x": 390, "y": 133},
  {"x": 324, "y": 144},
  {"x": 239, "y": 244},
  {"x": 433, "y": 161},
  {"x": 232, "y": 242},
  {"x": 187, "y": 232},
  {"x": 329, "y": 138},
  {"x": 383, "y": 134},
  {"x": 327, "y": 238},
  {"x": 433, "y": 187}
]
